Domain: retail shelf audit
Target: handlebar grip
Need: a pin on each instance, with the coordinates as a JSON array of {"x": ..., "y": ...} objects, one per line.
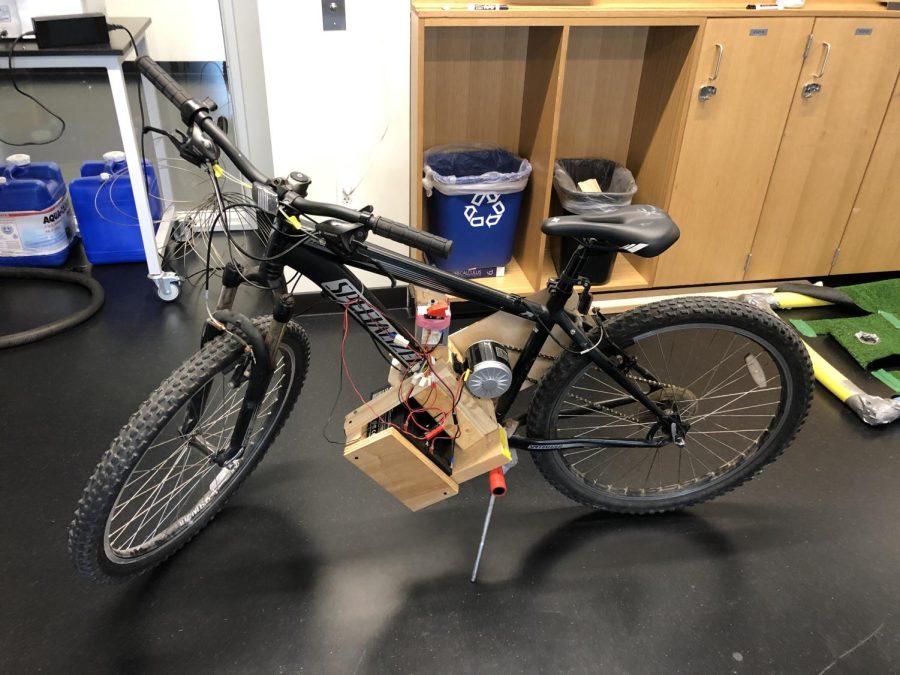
[
  {"x": 162, "y": 81},
  {"x": 403, "y": 234}
]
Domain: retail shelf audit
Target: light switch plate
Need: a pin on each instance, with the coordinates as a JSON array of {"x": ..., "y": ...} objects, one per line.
[{"x": 334, "y": 15}]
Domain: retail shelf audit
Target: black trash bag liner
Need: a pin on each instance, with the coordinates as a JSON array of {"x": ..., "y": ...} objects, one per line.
[
  {"x": 615, "y": 180},
  {"x": 462, "y": 169}
]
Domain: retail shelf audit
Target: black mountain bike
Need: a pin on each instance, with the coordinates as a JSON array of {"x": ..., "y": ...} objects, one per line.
[{"x": 658, "y": 408}]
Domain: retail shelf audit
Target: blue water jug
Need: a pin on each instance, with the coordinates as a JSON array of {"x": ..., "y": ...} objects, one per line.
[
  {"x": 35, "y": 218},
  {"x": 104, "y": 206}
]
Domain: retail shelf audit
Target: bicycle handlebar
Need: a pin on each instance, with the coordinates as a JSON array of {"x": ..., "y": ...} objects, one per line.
[
  {"x": 160, "y": 79},
  {"x": 403, "y": 234},
  {"x": 193, "y": 112}
]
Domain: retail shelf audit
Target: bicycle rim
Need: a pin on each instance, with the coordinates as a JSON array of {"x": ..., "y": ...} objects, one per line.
[
  {"x": 175, "y": 483},
  {"x": 731, "y": 386}
]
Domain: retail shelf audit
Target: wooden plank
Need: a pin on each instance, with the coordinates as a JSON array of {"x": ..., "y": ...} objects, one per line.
[
  {"x": 670, "y": 66},
  {"x": 871, "y": 242},
  {"x": 474, "y": 79},
  {"x": 729, "y": 147},
  {"x": 827, "y": 144},
  {"x": 489, "y": 453},
  {"x": 603, "y": 74},
  {"x": 541, "y": 93},
  {"x": 395, "y": 464},
  {"x": 610, "y": 10}
]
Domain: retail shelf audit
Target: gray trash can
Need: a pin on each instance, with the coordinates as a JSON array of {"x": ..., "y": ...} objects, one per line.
[{"x": 618, "y": 188}]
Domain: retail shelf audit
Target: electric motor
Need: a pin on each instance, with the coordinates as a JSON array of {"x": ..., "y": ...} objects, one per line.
[{"x": 489, "y": 372}]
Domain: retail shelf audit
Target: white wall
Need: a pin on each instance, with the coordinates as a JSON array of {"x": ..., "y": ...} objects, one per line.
[
  {"x": 182, "y": 30},
  {"x": 339, "y": 101}
]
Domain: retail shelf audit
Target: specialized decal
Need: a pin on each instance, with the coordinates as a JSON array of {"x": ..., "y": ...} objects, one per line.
[{"x": 346, "y": 294}]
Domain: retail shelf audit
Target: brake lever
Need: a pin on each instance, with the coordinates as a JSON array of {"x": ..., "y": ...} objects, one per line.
[{"x": 177, "y": 142}]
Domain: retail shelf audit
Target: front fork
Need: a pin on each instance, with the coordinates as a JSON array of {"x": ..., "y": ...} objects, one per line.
[{"x": 263, "y": 349}]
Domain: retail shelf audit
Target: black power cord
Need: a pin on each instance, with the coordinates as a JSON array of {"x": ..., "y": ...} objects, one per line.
[
  {"x": 140, "y": 93},
  {"x": 12, "y": 79}
]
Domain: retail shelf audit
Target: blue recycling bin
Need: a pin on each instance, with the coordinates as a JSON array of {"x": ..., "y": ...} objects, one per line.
[{"x": 473, "y": 198}]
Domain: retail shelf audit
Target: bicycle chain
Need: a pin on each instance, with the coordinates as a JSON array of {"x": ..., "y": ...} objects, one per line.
[{"x": 592, "y": 404}]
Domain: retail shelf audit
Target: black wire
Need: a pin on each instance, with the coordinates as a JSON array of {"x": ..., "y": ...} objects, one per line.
[
  {"x": 212, "y": 228},
  {"x": 337, "y": 398},
  {"x": 301, "y": 237},
  {"x": 140, "y": 93},
  {"x": 12, "y": 78}
]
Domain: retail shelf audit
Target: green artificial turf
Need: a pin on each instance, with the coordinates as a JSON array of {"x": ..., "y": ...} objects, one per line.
[{"x": 882, "y": 298}]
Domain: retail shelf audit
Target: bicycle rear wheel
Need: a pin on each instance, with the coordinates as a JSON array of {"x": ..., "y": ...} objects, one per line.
[
  {"x": 157, "y": 485},
  {"x": 740, "y": 378}
]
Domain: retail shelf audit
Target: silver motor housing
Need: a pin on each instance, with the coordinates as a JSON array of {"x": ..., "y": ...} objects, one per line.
[{"x": 490, "y": 374}]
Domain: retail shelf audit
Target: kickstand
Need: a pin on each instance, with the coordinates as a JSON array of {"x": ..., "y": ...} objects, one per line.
[
  {"x": 497, "y": 483},
  {"x": 487, "y": 524}
]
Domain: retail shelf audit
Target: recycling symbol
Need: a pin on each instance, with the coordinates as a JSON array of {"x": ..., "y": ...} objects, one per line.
[{"x": 475, "y": 217}]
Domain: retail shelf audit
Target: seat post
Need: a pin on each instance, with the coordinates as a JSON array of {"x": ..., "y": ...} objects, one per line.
[
  {"x": 562, "y": 287},
  {"x": 576, "y": 263}
]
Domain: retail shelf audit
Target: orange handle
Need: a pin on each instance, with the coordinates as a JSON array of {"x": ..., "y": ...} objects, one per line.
[{"x": 497, "y": 480}]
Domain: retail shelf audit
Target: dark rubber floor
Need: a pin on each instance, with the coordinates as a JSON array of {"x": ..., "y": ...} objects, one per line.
[{"x": 312, "y": 568}]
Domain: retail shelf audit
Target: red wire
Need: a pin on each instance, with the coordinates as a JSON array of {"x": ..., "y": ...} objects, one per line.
[
  {"x": 353, "y": 384},
  {"x": 455, "y": 397}
]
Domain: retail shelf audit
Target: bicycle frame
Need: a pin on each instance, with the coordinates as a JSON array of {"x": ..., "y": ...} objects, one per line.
[{"x": 329, "y": 270}]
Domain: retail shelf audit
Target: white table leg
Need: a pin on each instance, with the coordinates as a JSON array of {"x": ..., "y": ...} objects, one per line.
[
  {"x": 164, "y": 282},
  {"x": 151, "y": 96}
]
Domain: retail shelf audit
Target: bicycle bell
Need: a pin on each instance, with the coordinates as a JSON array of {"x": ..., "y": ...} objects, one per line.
[{"x": 490, "y": 374}]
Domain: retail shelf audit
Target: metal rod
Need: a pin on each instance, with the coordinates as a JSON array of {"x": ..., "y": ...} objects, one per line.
[{"x": 487, "y": 523}]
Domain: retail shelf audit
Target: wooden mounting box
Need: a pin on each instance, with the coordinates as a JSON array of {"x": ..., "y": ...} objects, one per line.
[{"x": 397, "y": 465}]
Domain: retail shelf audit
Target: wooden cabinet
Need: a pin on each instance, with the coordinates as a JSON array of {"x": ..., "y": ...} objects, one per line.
[
  {"x": 730, "y": 143},
  {"x": 838, "y": 108},
  {"x": 761, "y": 178},
  {"x": 871, "y": 242}
]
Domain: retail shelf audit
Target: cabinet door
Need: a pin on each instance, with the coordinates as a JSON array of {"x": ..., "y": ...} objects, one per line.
[
  {"x": 730, "y": 143},
  {"x": 837, "y": 111},
  {"x": 871, "y": 241}
]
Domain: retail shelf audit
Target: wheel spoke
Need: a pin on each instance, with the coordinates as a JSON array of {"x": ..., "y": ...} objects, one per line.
[
  {"x": 170, "y": 486},
  {"x": 728, "y": 416}
]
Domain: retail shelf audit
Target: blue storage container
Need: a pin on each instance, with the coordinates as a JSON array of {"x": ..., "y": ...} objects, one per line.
[
  {"x": 104, "y": 206},
  {"x": 474, "y": 195},
  {"x": 35, "y": 217}
]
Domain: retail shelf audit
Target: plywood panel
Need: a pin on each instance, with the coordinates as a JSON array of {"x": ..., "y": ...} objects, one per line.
[
  {"x": 730, "y": 144},
  {"x": 871, "y": 242},
  {"x": 603, "y": 73},
  {"x": 395, "y": 464},
  {"x": 474, "y": 78},
  {"x": 670, "y": 63},
  {"x": 540, "y": 117},
  {"x": 827, "y": 144}
]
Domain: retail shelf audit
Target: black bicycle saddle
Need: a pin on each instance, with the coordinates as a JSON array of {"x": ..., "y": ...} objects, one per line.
[{"x": 640, "y": 229}]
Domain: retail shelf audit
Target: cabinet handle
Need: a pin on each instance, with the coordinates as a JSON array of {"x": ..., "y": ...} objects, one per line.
[
  {"x": 720, "y": 53},
  {"x": 826, "y": 51}
]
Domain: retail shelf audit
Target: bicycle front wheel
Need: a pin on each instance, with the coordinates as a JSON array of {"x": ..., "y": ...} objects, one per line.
[
  {"x": 738, "y": 377},
  {"x": 158, "y": 484}
]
